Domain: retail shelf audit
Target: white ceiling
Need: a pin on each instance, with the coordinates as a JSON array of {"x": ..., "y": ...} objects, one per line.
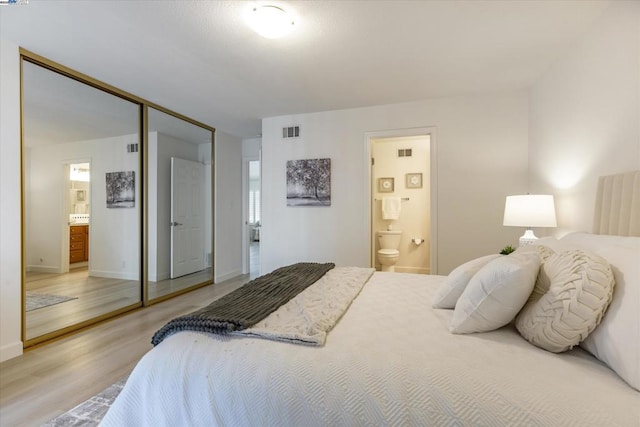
[{"x": 200, "y": 59}]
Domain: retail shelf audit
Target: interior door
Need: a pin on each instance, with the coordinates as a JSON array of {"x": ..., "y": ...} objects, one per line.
[{"x": 187, "y": 217}]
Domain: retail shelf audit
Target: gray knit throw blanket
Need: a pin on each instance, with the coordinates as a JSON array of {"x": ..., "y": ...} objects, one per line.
[{"x": 248, "y": 304}]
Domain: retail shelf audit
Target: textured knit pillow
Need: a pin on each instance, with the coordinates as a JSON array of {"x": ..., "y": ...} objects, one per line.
[
  {"x": 496, "y": 293},
  {"x": 454, "y": 284},
  {"x": 572, "y": 293}
]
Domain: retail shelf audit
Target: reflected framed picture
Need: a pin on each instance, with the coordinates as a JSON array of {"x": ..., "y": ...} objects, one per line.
[
  {"x": 385, "y": 185},
  {"x": 121, "y": 189},
  {"x": 414, "y": 180}
]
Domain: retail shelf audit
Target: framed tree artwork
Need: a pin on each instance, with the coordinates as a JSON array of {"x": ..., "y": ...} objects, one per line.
[
  {"x": 309, "y": 182},
  {"x": 121, "y": 189}
]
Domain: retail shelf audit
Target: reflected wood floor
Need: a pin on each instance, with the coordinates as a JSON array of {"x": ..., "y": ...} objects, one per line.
[
  {"x": 164, "y": 287},
  {"x": 95, "y": 296},
  {"x": 51, "y": 379}
]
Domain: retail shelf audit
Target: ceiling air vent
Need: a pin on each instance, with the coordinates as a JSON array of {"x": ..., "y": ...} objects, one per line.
[
  {"x": 404, "y": 152},
  {"x": 132, "y": 148},
  {"x": 290, "y": 132}
]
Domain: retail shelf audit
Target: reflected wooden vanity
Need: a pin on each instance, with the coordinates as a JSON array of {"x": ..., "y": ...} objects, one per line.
[{"x": 78, "y": 243}]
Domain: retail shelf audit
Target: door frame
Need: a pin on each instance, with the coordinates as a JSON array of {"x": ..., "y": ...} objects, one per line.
[
  {"x": 368, "y": 205},
  {"x": 65, "y": 267},
  {"x": 245, "y": 208}
]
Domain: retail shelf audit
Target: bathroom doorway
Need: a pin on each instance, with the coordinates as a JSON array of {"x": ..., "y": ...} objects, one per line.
[
  {"x": 402, "y": 191},
  {"x": 79, "y": 213}
]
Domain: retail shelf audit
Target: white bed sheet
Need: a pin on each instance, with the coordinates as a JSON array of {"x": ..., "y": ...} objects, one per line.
[{"x": 389, "y": 361}]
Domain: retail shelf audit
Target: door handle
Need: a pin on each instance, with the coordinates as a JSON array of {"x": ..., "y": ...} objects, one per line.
[{"x": 175, "y": 224}]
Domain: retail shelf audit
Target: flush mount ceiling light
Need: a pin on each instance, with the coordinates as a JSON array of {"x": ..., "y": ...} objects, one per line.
[{"x": 270, "y": 21}]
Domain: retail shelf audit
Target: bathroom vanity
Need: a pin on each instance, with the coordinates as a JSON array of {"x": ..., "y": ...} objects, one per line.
[{"x": 78, "y": 243}]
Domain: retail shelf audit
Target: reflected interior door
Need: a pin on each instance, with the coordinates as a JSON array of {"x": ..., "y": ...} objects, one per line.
[{"x": 187, "y": 217}]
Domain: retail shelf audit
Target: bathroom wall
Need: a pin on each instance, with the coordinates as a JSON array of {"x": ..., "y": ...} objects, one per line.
[
  {"x": 77, "y": 206},
  {"x": 415, "y": 217}
]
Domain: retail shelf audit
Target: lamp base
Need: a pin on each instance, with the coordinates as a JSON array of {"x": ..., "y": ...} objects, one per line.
[{"x": 528, "y": 238}]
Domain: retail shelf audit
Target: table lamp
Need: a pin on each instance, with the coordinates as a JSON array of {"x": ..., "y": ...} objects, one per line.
[{"x": 529, "y": 210}]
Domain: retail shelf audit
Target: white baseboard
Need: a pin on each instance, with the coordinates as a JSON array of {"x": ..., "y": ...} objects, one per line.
[
  {"x": 10, "y": 351},
  {"x": 78, "y": 265},
  {"x": 159, "y": 277},
  {"x": 114, "y": 275},
  {"x": 222, "y": 277},
  {"x": 42, "y": 269}
]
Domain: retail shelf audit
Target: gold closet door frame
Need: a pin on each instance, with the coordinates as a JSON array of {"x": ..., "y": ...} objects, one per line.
[{"x": 143, "y": 220}]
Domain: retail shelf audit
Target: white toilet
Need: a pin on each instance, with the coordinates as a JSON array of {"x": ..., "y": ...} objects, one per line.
[{"x": 388, "y": 254}]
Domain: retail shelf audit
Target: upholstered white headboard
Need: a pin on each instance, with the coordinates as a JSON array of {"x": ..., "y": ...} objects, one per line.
[{"x": 618, "y": 205}]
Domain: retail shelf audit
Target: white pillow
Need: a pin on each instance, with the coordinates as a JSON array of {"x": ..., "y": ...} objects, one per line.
[
  {"x": 616, "y": 341},
  {"x": 496, "y": 293},
  {"x": 573, "y": 290},
  {"x": 457, "y": 281},
  {"x": 544, "y": 251}
]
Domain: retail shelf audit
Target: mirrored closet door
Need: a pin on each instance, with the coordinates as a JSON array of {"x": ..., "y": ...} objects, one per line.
[
  {"x": 81, "y": 203},
  {"x": 179, "y": 205}
]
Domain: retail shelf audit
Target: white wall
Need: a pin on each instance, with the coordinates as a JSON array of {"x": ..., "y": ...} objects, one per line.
[
  {"x": 114, "y": 249},
  {"x": 585, "y": 116},
  {"x": 10, "y": 246},
  {"x": 251, "y": 148},
  {"x": 205, "y": 155},
  {"x": 481, "y": 158},
  {"x": 228, "y": 213}
]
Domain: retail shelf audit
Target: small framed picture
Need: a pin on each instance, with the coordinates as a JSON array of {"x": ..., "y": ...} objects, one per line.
[
  {"x": 414, "y": 180},
  {"x": 81, "y": 195},
  {"x": 385, "y": 185}
]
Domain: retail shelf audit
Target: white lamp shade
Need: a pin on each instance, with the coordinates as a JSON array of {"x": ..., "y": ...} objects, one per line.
[{"x": 530, "y": 210}]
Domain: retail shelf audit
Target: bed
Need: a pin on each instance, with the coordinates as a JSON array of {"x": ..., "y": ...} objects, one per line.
[{"x": 391, "y": 360}]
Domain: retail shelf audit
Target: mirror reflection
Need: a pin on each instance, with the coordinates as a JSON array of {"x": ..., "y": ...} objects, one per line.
[
  {"x": 179, "y": 205},
  {"x": 81, "y": 202}
]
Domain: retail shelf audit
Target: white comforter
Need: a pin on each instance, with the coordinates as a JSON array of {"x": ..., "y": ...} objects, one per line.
[
  {"x": 390, "y": 360},
  {"x": 308, "y": 317}
]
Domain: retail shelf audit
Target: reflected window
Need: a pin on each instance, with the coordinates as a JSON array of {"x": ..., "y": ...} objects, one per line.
[{"x": 254, "y": 192}]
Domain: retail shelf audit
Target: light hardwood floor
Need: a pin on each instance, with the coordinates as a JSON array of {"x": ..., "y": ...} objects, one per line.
[{"x": 53, "y": 378}]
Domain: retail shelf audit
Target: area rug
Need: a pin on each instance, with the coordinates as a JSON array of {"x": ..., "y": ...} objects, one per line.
[
  {"x": 36, "y": 300},
  {"x": 90, "y": 412}
]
